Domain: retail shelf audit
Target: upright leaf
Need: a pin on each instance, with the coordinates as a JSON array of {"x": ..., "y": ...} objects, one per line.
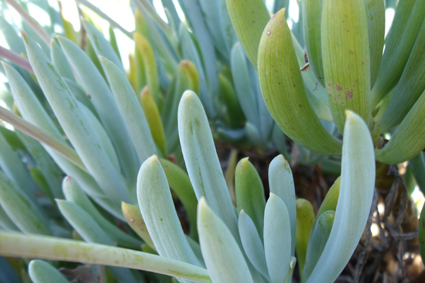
[
  {"x": 225, "y": 261},
  {"x": 201, "y": 159},
  {"x": 284, "y": 91},
  {"x": 354, "y": 202},
  {"x": 346, "y": 59}
]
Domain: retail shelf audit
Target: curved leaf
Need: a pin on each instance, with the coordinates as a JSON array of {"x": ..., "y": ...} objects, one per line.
[
  {"x": 284, "y": 91},
  {"x": 354, "y": 202}
]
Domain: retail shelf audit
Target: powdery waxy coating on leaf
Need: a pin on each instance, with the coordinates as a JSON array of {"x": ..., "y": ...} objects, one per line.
[{"x": 354, "y": 201}]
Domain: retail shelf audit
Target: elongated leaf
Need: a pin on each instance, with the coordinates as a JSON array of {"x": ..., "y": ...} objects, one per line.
[
  {"x": 47, "y": 167},
  {"x": 21, "y": 210},
  {"x": 346, "y": 59},
  {"x": 13, "y": 167},
  {"x": 73, "y": 193},
  {"x": 252, "y": 243},
  {"x": 101, "y": 45},
  {"x": 404, "y": 30},
  {"x": 312, "y": 21},
  {"x": 225, "y": 261},
  {"x": 101, "y": 137},
  {"x": 59, "y": 61},
  {"x": 105, "y": 105},
  {"x": 75, "y": 126},
  {"x": 305, "y": 219},
  {"x": 230, "y": 37},
  {"x": 249, "y": 18},
  {"x": 243, "y": 87},
  {"x": 81, "y": 96},
  {"x": 417, "y": 164},
  {"x": 159, "y": 214},
  {"x": 135, "y": 220},
  {"x": 6, "y": 223},
  {"x": 131, "y": 110},
  {"x": 408, "y": 89},
  {"x": 194, "y": 15},
  {"x": 250, "y": 193},
  {"x": 201, "y": 159},
  {"x": 375, "y": 14},
  {"x": 354, "y": 202},
  {"x": 83, "y": 223},
  {"x": 150, "y": 66},
  {"x": 154, "y": 120},
  {"x": 317, "y": 242},
  {"x": 407, "y": 140},
  {"x": 14, "y": 244},
  {"x": 284, "y": 91},
  {"x": 42, "y": 272},
  {"x": 180, "y": 184},
  {"x": 282, "y": 185},
  {"x": 316, "y": 92},
  {"x": 30, "y": 108},
  {"x": 277, "y": 238},
  {"x": 331, "y": 198},
  {"x": 191, "y": 52},
  {"x": 211, "y": 12}
]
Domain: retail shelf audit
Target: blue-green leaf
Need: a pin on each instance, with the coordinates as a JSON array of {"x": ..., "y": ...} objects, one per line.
[
  {"x": 282, "y": 185},
  {"x": 42, "y": 272},
  {"x": 252, "y": 243},
  {"x": 131, "y": 110},
  {"x": 201, "y": 159},
  {"x": 225, "y": 261},
  {"x": 277, "y": 239},
  {"x": 105, "y": 105},
  {"x": 354, "y": 202},
  {"x": 159, "y": 213},
  {"x": 75, "y": 126}
]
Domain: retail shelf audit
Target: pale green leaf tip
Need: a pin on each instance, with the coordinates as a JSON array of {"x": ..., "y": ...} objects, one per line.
[
  {"x": 349, "y": 114},
  {"x": 5, "y": 66},
  {"x": 203, "y": 207},
  {"x": 292, "y": 262},
  {"x": 272, "y": 196},
  {"x": 243, "y": 162},
  {"x": 187, "y": 95},
  {"x": 153, "y": 158},
  {"x": 242, "y": 213}
]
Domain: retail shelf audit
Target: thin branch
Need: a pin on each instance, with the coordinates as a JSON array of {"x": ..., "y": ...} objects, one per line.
[
  {"x": 31, "y": 21},
  {"x": 41, "y": 136},
  {"x": 106, "y": 17},
  {"x": 15, "y": 58},
  {"x": 52, "y": 248}
]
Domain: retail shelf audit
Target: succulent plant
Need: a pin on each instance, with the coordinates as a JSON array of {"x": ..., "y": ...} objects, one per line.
[{"x": 85, "y": 175}]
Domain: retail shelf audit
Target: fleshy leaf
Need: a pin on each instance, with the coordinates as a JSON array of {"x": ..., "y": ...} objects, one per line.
[
  {"x": 346, "y": 59},
  {"x": 202, "y": 161},
  {"x": 284, "y": 92},
  {"x": 354, "y": 202},
  {"x": 159, "y": 213},
  {"x": 225, "y": 261},
  {"x": 277, "y": 239}
]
